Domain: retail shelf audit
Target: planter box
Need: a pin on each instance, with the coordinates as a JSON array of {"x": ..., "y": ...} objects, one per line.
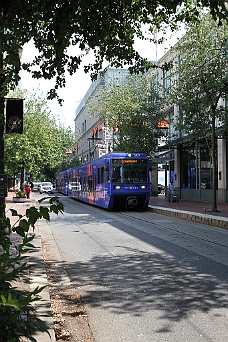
[{"x": 19, "y": 199}]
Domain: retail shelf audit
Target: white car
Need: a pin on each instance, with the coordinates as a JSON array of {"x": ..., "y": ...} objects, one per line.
[{"x": 46, "y": 187}]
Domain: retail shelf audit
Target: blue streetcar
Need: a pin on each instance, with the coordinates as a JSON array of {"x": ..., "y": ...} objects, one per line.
[{"x": 113, "y": 181}]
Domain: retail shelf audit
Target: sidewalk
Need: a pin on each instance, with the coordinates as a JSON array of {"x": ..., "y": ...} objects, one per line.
[
  {"x": 37, "y": 275},
  {"x": 195, "y": 211}
]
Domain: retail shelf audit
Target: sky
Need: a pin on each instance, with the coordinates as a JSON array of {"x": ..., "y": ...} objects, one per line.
[{"x": 78, "y": 84}]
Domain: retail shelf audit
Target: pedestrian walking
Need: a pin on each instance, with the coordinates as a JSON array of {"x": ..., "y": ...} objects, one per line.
[
  {"x": 172, "y": 195},
  {"x": 28, "y": 190},
  {"x": 171, "y": 187}
]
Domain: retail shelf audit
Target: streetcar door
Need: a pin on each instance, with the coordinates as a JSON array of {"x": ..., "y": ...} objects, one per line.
[{"x": 107, "y": 184}]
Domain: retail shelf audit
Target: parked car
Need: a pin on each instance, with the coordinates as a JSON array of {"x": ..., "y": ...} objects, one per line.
[
  {"x": 161, "y": 189},
  {"x": 46, "y": 187},
  {"x": 36, "y": 186}
]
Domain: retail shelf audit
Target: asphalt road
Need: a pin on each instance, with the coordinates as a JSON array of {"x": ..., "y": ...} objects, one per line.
[{"x": 144, "y": 276}]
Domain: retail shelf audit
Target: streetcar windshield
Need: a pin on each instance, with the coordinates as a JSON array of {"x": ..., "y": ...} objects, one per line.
[{"x": 129, "y": 170}]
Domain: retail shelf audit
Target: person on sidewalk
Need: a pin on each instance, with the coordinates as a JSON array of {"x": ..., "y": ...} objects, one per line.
[
  {"x": 172, "y": 193},
  {"x": 171, "y": 187},
  {"x": 28, "y": 190}
]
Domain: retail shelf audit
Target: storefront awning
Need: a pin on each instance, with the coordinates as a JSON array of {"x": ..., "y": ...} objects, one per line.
[{"x": 164, "y": 157}]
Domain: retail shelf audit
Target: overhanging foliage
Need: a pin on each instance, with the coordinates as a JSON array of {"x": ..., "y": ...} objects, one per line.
[
  {"x": 132, "y": 110},
  {"x": 200, "y": 89},
  {"x": 43, "y": 142},
  {"x": 108, "y": 28}
]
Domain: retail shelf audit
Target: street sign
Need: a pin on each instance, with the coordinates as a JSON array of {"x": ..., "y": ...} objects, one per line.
[
  {"x": 102, "y": 152},
  {"x": 3, "y": 180}
]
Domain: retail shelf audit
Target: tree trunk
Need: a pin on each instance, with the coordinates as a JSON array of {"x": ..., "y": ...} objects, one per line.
[{"x": 22, "y": 177}]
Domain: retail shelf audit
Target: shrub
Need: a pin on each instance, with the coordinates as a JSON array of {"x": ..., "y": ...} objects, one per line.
[
  {"x": 17, "y": 314},
  {"x": 21, "y": 193}
]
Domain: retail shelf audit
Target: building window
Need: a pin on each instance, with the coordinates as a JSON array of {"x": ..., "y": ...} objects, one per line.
[
  {"x": 196, "y": 171},
  {"x": 84, "y": 127},
  {"x": 188, "y": 168},
  {"x": 205, "y": 170},
  {"x": 171, "y": 128}
]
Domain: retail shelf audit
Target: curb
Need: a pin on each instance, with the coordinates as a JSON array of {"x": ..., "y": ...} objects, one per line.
[{"x": 210, "y": 220}]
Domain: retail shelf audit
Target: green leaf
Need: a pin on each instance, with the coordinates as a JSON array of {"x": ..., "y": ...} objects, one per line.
[
  {"x": 19, "y": 230},
  {"x": 44, "y": 212},
  {"x": 15, "y": 213},
  {"x": 24, "y": 224},
  {"x": 33, "y": 215}
]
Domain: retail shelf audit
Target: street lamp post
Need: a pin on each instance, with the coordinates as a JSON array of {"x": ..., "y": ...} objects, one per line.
[{"x": 2, "y": 127}]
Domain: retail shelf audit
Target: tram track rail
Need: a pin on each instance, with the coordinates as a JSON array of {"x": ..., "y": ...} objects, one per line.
[
  {"x": 162, "y": 225},
  {"x": 171, "y": 229}
]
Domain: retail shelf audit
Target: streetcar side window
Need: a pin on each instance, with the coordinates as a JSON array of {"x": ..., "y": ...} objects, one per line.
[
  {"x": 78, "y": 185},
  {"x": 84, "y": 183},
  {"x": 90, "y": 183},
  {"x": 101, "y": 175},
  {"x": 94, "y": 182},
  {"x": 72, "y": 184},
  {"x": 81, "y": 183},
  {"x": 108, "y": 176},
  {"x": 75, "y": 184}
]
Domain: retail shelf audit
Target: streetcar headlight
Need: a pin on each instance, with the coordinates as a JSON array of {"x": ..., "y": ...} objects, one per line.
[
  {"x": 143, "y": 187},
  {"x": 117, "y": 187}
]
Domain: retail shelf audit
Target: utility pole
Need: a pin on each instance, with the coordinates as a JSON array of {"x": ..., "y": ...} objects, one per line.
[{"x": 2, "y": 120}]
